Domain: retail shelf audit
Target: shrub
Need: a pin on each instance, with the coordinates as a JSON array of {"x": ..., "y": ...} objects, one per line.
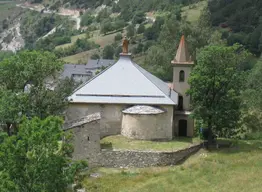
[{"x": 118, "y": 37}]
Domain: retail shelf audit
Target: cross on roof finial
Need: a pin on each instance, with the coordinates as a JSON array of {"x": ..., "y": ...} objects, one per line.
[{"x": 125, "y": 45}]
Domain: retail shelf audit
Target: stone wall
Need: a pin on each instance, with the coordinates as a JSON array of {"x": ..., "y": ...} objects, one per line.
[
  {"x": 144, "y": 159},
  {"x": 146, "y": 127},
  {"x": 86, "y": 132},
  {"x": 111, "y": 116},
  {"x": 86, "y": 137}
]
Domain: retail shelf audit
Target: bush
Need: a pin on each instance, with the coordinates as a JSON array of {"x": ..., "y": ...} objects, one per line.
[
  {"x": 141, "y": 29},
  {"x": 95, "y": 56},
  {"x": 108, "y": 52},
  {"x": 254, "y": 136},
  {"x": 79, "y": 46},
  {"x": 118, "y": 37},
  {"x": 87, "y": 19}
]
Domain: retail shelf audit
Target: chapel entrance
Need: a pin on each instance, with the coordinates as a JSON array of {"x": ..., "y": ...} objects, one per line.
[{"x": 182, "y": 128}]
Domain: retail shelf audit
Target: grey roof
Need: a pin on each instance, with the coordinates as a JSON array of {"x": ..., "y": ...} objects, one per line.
[
  {"x": 94, "y": 64},
  {"x": 70, "y": 69},
  {"x": 83, "y": 69},
  {"x": 143, "y": 110},
  {"x": 125, "y": 83}
]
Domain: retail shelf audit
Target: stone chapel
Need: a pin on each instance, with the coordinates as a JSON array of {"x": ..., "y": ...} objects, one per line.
[{"x": 135, "y": 103}]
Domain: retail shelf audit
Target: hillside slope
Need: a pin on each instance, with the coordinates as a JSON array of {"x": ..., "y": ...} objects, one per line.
[{"x": 241, "y": 20}]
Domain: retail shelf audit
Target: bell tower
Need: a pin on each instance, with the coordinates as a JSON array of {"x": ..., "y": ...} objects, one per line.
[{"x": 182, "y": 66}]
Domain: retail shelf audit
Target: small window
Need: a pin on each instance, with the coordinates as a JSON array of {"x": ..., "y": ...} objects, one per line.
[{"x": 182, "y": 76}]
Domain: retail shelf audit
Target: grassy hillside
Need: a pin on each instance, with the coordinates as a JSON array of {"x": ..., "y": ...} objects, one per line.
[
  {"x": 242, "y": 21},
  {"x": 83, "y": 57},
  {"x": 192, "y": 12},
  {"x": 8, "y": 11},
  {"x": 236, "y": 169}
]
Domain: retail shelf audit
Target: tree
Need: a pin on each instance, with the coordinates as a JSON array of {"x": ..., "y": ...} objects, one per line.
[
  {"x": 95, "y": 56},
  {"x": 157, "y": 61},
  {"x": 108, "y": 52},
  {"x": 139, "y": 18},
  {"x": 216, "y": 82},
  {"x": 130, "y": 31},
  {"x": 29, "y": 86},
  {"x": 118, "y": 37},
  {"x": 106, "y": 26},
  {"x": 253, "y": 94},
  {"x": 36, "y": 159},
  {"x": 5, "y": 54},
  {"x": 141, "y": 29}
]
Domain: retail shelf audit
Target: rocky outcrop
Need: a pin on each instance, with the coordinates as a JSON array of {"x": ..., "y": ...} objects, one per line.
[{"x": 11, "y": 39}]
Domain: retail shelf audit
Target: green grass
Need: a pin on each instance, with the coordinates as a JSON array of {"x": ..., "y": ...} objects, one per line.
[
  {"x": 122, "y": 143},
  {"x": 82, "y": 57},
  {"x": 193, "y": 12},
  {"x": 235, "y": 169},
  {"x": 102, "y": 40},
  {"x": 7, "y": 9}
]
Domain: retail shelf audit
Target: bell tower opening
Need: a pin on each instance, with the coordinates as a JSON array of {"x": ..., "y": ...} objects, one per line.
[{"x": 182, "y": 76}]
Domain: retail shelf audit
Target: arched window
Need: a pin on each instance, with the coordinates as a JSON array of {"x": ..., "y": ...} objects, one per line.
[
  {"x": 182, "y": 76},
  {"x": 180, "y": 103}
]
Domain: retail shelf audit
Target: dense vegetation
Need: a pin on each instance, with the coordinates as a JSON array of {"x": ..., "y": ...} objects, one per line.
[{"x": 241, "y": 20}]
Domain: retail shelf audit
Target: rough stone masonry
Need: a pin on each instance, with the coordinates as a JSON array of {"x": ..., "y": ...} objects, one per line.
[{"x": 86, "y": 132}]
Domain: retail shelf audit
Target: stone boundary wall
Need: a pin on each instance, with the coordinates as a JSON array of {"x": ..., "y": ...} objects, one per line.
[
  {"x": 86, "y": 142},
  {"x": 144, "y": 158}
]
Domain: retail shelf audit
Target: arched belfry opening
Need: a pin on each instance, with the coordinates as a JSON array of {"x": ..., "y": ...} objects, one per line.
[
  {"x": 182, "y": 128},
  {"x": 182, "y": 76}
]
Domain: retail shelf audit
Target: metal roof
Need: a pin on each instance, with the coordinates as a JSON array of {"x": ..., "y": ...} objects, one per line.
[{"x": 125, "y": 83}]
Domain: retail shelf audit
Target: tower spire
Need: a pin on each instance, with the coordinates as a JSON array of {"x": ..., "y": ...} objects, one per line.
[{"x": 182, "y": 54}]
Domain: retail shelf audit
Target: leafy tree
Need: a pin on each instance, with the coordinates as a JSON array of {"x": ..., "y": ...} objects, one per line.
[
  {"x": 103, "y": 14},
  {"x": 5, "y": 54},
  {"x": 119, "y": 24},
  {"x": 106, "y": 26},
  {"x": 87, "y": 19},
  {"x": 139, "y": 18},
  {"x": 36, "y": 159},
  {"x": 95, "y": 56},
  {"x": 118, "y": 50},
  {"x": 118, "y": 37},
  {"x": 216, "y": 82},
  {"x": 130, "y": 31},
  {"x": 29, "y": 86},
  {"x": 157, "y": 61},
  {"x": 141, "y": 29},
  {"x": 253, "y": 93},
  {"x": 108, "y": 52}
]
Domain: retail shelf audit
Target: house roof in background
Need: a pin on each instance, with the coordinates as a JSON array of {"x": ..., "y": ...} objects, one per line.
[
  {"x": 83, "y": 69},
  {"x": 125, "y": 83}
]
